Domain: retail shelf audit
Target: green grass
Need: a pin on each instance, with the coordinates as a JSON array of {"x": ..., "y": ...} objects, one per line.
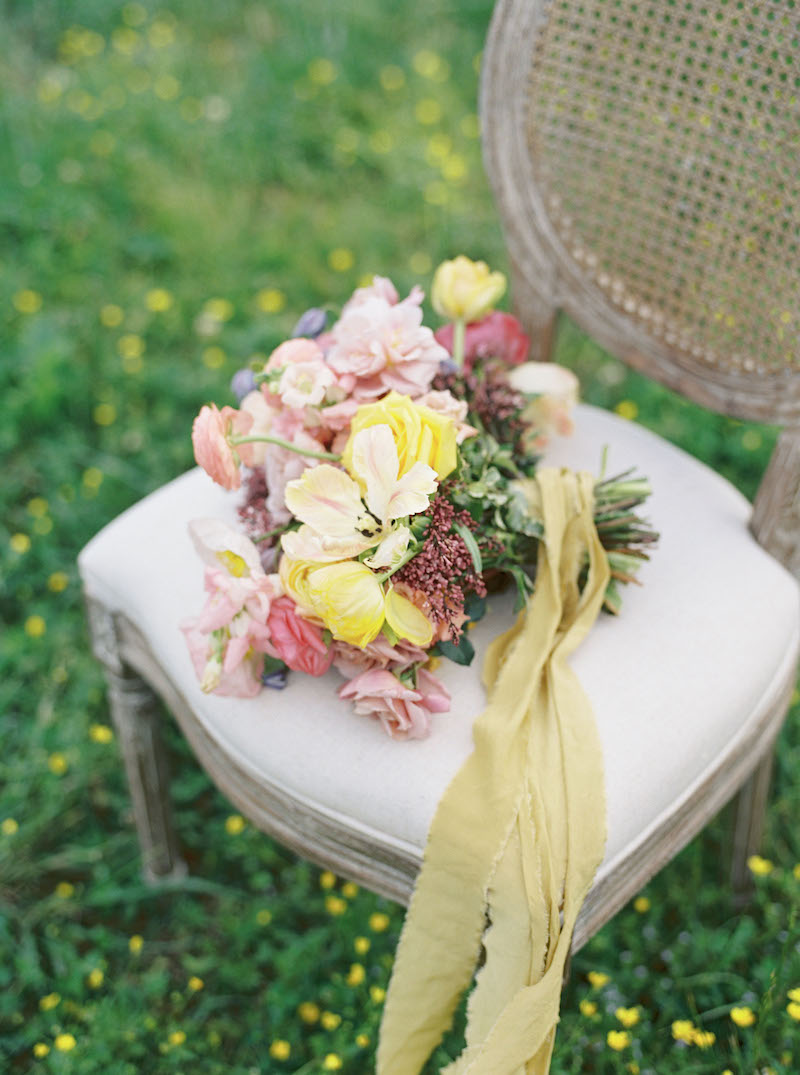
[{"x": 205, "y": 152}]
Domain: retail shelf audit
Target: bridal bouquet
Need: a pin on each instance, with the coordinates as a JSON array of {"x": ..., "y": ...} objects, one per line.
[{"x": 386, "y": 473}]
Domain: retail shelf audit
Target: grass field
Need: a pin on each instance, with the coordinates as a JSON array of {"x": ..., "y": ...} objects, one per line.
[{"x": 176, "y": 187}]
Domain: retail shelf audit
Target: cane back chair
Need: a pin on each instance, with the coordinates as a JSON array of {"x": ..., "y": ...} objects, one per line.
[{"x": 644, "y": 176}]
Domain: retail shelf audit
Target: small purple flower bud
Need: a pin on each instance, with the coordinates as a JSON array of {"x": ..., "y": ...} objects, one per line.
[
  {"x": 275, "y": 680},
  {"x": 311, "y": 324},
  {"x": 448, "y": 366},
  {"x": 242, "y": 382}
]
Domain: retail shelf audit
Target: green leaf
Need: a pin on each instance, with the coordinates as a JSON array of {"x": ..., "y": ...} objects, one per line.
[
  {"x": 472, "y": 545},
  {"x": 460, "y": 654}
]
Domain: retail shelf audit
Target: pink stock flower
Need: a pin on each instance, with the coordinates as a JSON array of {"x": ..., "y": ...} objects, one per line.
[
  {"x": 212, "y": 448},
  {"x": 281, "y": 465},
  {"x": 498, "y": 335},
  {"x": 405, "y": 713},
  {"x": 297, "y": 642},
  {"x": 377, "y": 346}
]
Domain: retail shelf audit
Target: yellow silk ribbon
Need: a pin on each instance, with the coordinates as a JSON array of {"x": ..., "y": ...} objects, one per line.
[{"x": 519, "y": 832}]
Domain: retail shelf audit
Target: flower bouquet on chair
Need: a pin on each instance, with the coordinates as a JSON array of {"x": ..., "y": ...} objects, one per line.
[{"x": 387, "y": 475}]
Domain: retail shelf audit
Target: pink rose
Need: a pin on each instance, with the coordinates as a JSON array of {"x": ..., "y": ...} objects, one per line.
[
  {"x": 212, "y": 448},
  {"x": 497, "y": 335},
  {"x": 405, "y": 713},
  {"x": 297, "y": 642}
]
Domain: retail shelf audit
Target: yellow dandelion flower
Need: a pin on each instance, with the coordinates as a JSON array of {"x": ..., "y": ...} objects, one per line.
[
  {"x": 35, "y": 627},
  {"x": 362, "y": 1040},
  {"x": 20, "y": 543},
  {"x": 377, "y": 994},
  {"x": 341, "y": 259},
  {"x": 327, "y": 880},
  {"x": 428, "y": 111},
  {"x": 9, "y": 826},
  {"x": 381, "y": 141},
  {"x": 429, "y": 64},
  {"x": 93, "y": 477},
  {"x": 330, "y": 1020},
  {"x": 794, "y": 994},
  {"x": 37, "y": 507},
  {"x": 58, "y": 582},
  {"x": 641, "y": 904},
  {"x": 234, "y": 824},
  {"x": 332, "y": 1062},
  {"x": 160, "y": 34},
  {"x": 130, "y": 345},
  {"x": 57, "y": 763},
  {"x": 94, "y": 978},
  {"x": 309, "y": 1012},
  {"x": 618, "y": 1039},
  {"x": 588, "y": 1007},
  {"x": 264, "y": 917},
  {"x": 743, "y": 1016},
  {"x": 158, "y": 300},
  {"x": 105, "y": 414},
  {"x": 684, "y": 1030},
  {"x": 52, "y": 1000},
  {"x": 392, "y": 78},
  {"x": 627, "y": 1016},
  {"x": 322, "y": 71},
  {"x": 214, "y": 357},
  {"x": 454, "y": 168},
  {"x": 27, "y": 301},
  {"x": 177, "y": 1037},
  {"x": 350, "y": 890},
  {"x": 628, "y": 409},
  {"x": 597, "y": 979},
  {"x": 379, "y": 922},
  {"x": 111, "y": 315},
  {"x": 40, "y": 1050},
  {"x": 759, "y": 866},
  {"x": 65, "y": 1043},
  {"x": 751, "y": 440},
  {"x": 219, "y": 309},
  {"x": 793, "y": 1008},
  {"x": 271, "y": 300},
  {"x": 335, "y": 905},
  {"x": 195, "y": 984},
  {"x": 704, "y": 1039},
  {"x": 633, "y": 1068},
  {"x": 100, "y": 733},
  {"x": 356, "y": 974},
  {"x": 362, "y": 945},
  {"x": 280, "y": 1049},
  {"x": 135, "y": 944},
  {"x": 796, "y": 872},
  {"x": 64, "y": 890}
]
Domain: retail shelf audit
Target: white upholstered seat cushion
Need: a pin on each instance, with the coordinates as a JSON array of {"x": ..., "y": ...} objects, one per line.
[{"x": 672, "y": 680}]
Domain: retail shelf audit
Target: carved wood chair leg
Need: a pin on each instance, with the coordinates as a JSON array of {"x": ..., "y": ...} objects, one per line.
[
  {"x": 750, "y": 814},
  {"x": 134, "y": 711}
]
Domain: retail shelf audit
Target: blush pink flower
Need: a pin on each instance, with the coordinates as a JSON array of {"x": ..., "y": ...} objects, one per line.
[
  {"x": 298, "y": 643},
  {"x": 282, "y": 466},
  {"x": 377, "y": 346},
  {"x": 211, "y": 431},
  {"x": 351, "y": 661},
  {"x": 445, "y": 403},
  {"x": 244, "y": 681},
  {"x": 404, "y": 713},
  {"x": 498, "y": 335},
  {"x": 380, "y": 288}
]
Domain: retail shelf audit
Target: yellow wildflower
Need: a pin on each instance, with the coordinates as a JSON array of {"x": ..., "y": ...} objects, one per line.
[
  {"x": 335, "y": 905},
  {"x": 9, "y": 826},
  {"x": 280, "y": 1049},
  {"x": 356, "y": 974},
  {"x": 27, "y": 301},
  {"x": 177, "y": 1037},
  {"x": 195, "y": 984},
  {"x": 362, "y": 1040},
  {"x": 235, "y": 824},
  {"x": 65, "y": 1042},
  {"x": 330, "y": 1020},
  {"x": 94, "y": 979},
  {"x": 308, "y": 1012},
  {"x": 618, "y": 1039},
  {"x": 641, "y": 904},
  {"x": 684, "y": 1030},
  {"x": 40, "y": 1050},
  {"x": 794, "y": 994},
  {"x": 362, "y": 945},
  {"x": 52, "y": 1000},
  {"x": 332, "y": 1062},
  {"x": 327, "y": 880},
  {"x": 158, "y": 300},
  {"x": 350, "y": 890},
  {"x": 588, "y": 1007},
  {"x": 35, "y": 627},
  {"x": 379, "y": 922},
  {"x": 597, "y": 979},
  {"x": 64, "y": 890},
  {"x": 627, "y": 1016},
  {"x": 793, "y": 1008},
  {"x": 135, "y": 944},
  {"x": 100, "y": 733},
  {"x": 20, "y": 543},
  {"x": 704, "y": 1039},
  {"x": 759, "y": 866},
  {"x": 743, "y": 1017},
  {"x": 377, "y": 994}
]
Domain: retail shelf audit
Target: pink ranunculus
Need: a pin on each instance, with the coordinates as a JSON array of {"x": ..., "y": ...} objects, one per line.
[
  {"x": 212, "y": 448},
  {"x": 498, "y": 335},
  {"x": 297, "y": 642},
  {"x": 403, "y": 711},
  {"x": 378, "y": 346},
  {"x": 351, "y": 661}
]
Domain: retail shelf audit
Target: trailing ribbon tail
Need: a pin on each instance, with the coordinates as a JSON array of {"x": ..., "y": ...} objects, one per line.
[{"x": 518, "y": 833}]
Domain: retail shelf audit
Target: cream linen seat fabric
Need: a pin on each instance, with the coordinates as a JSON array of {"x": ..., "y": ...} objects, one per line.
[{"x": 684, "y": 683}]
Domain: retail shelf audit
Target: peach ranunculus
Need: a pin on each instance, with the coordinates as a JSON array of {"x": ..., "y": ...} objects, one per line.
[
  {"x": 421, "y": 435},
  {"x": 297, "y": 642},
  {"x": 404, "y": 712},
  {"x": 211, "y": 431}
]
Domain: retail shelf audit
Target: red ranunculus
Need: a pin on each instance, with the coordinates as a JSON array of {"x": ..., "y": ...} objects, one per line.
[{"x": 498, "y": 335}]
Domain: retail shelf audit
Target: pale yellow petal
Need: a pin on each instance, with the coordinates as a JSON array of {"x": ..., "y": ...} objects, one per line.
[
  {"x": 327, "y": 499},
  {"x": 406, "y": 620}
]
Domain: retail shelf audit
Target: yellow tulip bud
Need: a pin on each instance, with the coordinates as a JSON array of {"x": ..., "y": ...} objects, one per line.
[
  {"x": 420, "y": 434},
  {"x": 349, "y": 600},
  {"x": 465, "y": 290}
]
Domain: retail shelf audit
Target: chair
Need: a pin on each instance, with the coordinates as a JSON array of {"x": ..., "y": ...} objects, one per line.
[{"x": 619, "y": 180}]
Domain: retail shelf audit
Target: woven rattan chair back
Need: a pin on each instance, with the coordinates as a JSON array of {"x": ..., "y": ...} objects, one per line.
[
  {"x": 644, "y": 157},
  {"x": 645, "y": 161}
]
